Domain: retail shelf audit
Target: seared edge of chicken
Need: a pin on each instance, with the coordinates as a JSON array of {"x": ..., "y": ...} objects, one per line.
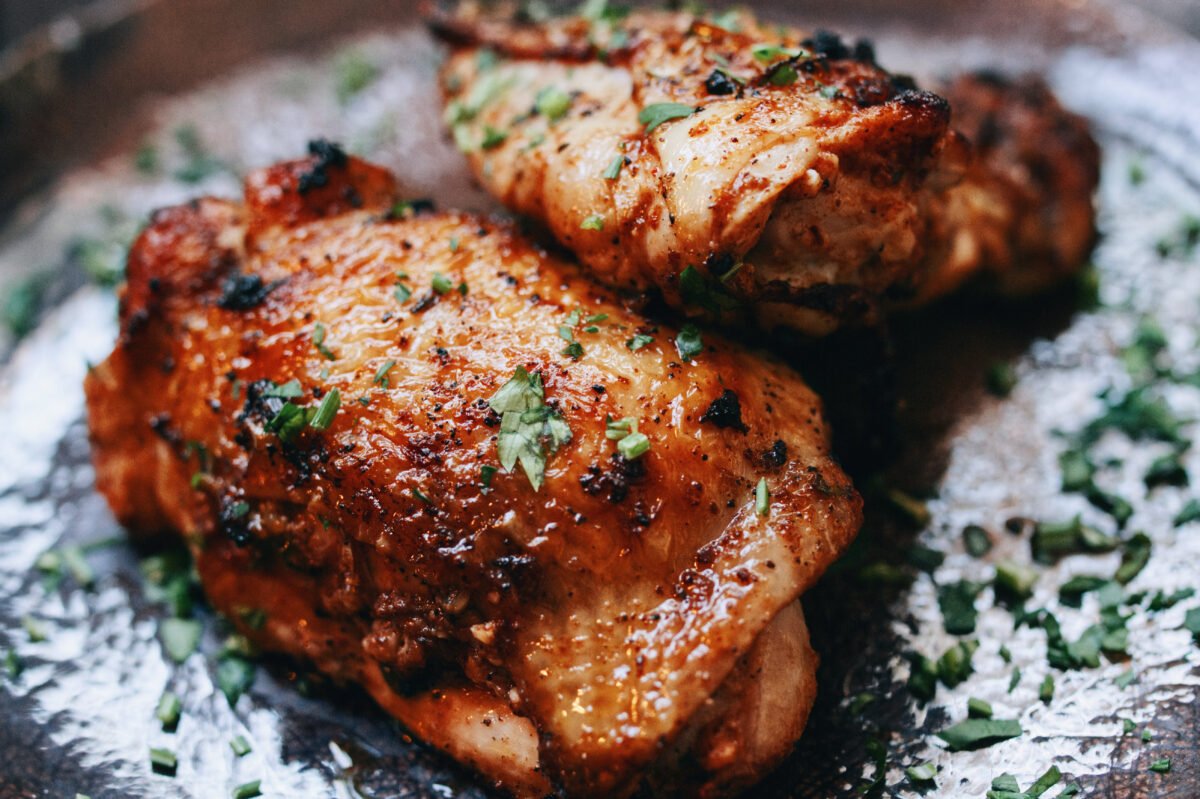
[
  {"x": 318, "y": 388},
  {"x": 1022, "y": 218},
  {"x": 737, "y": 168}
]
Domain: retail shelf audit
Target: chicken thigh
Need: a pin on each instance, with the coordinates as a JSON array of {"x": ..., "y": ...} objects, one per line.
[{"x": 561, "y": 543}]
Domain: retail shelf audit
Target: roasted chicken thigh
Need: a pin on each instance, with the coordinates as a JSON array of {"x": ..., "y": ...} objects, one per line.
[
  {"x": 738, "y": 169},
  {"x": 755, "y": 172},
  {"x": 559, "y": 542}
]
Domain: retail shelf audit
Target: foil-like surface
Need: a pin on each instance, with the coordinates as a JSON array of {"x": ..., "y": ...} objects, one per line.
[{"x": 78, "y": 716}]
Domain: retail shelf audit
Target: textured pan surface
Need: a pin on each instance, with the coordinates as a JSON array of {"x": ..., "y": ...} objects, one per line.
[{"x": 79, "y": 717}]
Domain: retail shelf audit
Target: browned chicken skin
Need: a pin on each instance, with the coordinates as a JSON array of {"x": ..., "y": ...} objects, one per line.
[
  {"x": 809, "y": 188},
  {"x": 634, "y": 621},
  {"x": 1022, "y": 217},
  {"x": 784, "y": 187}
]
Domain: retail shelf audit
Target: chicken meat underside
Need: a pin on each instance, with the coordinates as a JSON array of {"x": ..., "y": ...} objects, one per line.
[
  {"x": 633, "y": 623},
  {"x": 794, "y": 181}
]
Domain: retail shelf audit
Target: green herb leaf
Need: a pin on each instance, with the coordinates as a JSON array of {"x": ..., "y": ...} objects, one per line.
[
  {"x": 492, "y": 138},
  {"x": 657, "y": 113},
  {"x": 318, "y": 340},
  {"x": 248, "y": 790},
  {"x": 922, "y": 678},
  {"x": 235, "y": 676},
  {"x": 592, "y": 222},
  {"x": 1133, "y": 559},
  {"x": 1001, "y": 379},
  {"x": 441, "y": 283},
  {"x": 326, "y": 410},
  {"x": 381, "y": 374},
  {"x": 1161, "y": 766},
  {"x": 168, "y": 711},
  {"x": 978, "y": 709},
  {"x": 633, "y": 446},
  {"x": 980, "y": 733},
  {"x": 924, "y": 773},
  {"x": 613, "y": 171},
  {"x": 1188, "y": 513},
  {"x": 179, "y": 637},
  {"x": 688, "y": 343},
  {"x": 552, "y": 103},
  {"x": 767, "y": 53},
  {"x": 486, "y": 473},
  {"x": 957, "y": 602},
  {"x": 529, "y": 431},
  {"x": 640, "y": 340},
  {"x": 163, "y": 761},
  {"x": 976, "y": 541},
  {"x": 762, "y": 498},
  {"x": 240, "y": 746},
  {"x": 1046, "y": 689},
  {"x": 955, "y": 666}
]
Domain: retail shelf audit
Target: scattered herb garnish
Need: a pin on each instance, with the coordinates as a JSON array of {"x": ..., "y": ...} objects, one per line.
[
  {"x": 163, "y": 761},
  {"x": 240, "y": 746},
  {"x": 318, "y": 340},
  {"x": 529, "y": 430},
  {"x": 168, "y": 711},
  {"x": 979, "y": 733},
  {"x": 179, "y": 637},
  {"x": 656, "y": 114},
  {"x": 552, "y": 103},
  {"x": 640, "y": 340},
  {"x": 592, "y": 222},
  {"x": 248, "y": 790},
  {"x": 381, "y": 374},
  {"x": 762, "y": 498},
  {"x": 688, "y": 343},
  {"x": 613, "y": 171},
  {"x": 976, "y": 541},
  {"x": 353, "y": 72}
]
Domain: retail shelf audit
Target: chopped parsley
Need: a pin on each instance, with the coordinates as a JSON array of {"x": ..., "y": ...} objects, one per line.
[
  {"x": 592, "y": 222},
  {"x": 1161, "y": 766},
  {"x": 640, "y": 340},
  {"x": 976, "y": 541},
  {"x": 978, "y": 708},
  {"x": 552, "y": 103},
  {"x": 633, "y": 446},
  {"x": 381, "y": 374},
  {"x": 441, "y": 284},
  {"x": 924, "y": 773},
  {"x": 168, "y": 711},
  {"x": 1190, "y": 512},
  {"x": 957, "y": 602},
  {"x": 688, "y": 342},
  {"x": 163, "y": 761},
  {"x": 326, "y": 410},
  {"x": 492, "y": 138},
  {"x": 318, "y": 340},
  {"x": 766, "y": 53},
  {"x": 529, "y": 430},
  {"x": 1046, "y": 689},
  {"x": 1134, "y": 558},
  {"x": 979, "y": 733},
  {"x": 658, "y": 113},
  {"x": 179, "y": 637},
  {"x": 1001, "y": 379},
  {"x": 402, "y": 293},
  {"x": 248, "y": 790},
  {"x": 235, "y": 675},
  {"x": 613, "y": 171},
  {"x": 762, "y": 498},
  {"x": 486, "y": 473}
]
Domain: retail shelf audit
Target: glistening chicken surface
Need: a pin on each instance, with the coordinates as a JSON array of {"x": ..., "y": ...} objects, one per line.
[{"x": 370, "y": 424}]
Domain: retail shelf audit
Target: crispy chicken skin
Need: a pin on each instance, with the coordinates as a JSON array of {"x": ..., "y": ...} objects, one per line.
[
  {"x": 808, "y": 204},
  {"x": 793, "y": 192},
  {"x": 633, "y": 623},
  {"x": 1022, "y": 217}
]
